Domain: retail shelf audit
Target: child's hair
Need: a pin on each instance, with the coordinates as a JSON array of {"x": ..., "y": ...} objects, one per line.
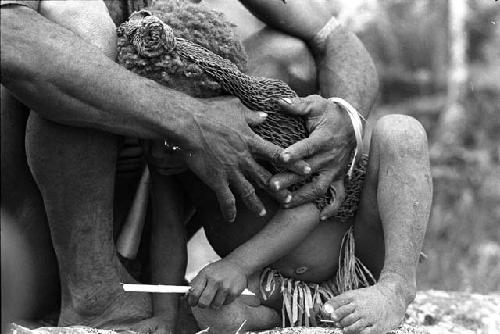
[{"x": 198, "y": 24}]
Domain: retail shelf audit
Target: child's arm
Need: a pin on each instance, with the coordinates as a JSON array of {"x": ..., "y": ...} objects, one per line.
[
  {"x": 222, "y": 281},
  {"x": 168, "y": 246}
]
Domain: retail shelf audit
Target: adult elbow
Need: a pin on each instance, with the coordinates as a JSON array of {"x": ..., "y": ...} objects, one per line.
[{"x": 17, "y": 59}]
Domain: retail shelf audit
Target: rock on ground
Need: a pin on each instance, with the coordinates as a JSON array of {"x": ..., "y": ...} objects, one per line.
[
  {"x": 437, "y": 312},
  {"x": 432, "y": 312}
]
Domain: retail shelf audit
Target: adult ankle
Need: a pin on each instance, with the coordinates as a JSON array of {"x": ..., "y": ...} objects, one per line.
[{"x": 403, "y": 285}]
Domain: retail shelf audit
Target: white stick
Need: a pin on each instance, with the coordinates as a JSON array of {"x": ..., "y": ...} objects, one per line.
[{"x": 166, "y": 289}]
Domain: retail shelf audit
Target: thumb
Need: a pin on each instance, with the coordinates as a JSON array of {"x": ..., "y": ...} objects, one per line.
[
  {"x": 293, "y": 106},
  {"x": 339, "y": 194}
]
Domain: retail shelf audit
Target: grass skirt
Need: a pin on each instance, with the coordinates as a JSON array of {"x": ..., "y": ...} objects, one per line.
[{"x": 302, "y": 299}]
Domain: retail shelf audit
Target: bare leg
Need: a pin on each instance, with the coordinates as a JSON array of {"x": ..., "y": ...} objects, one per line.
[
  {"x": 168, "y": 251},
  {"x": 22, "y": 203},
  {"x": 245, "y": 312},
  {"x": 390, "y": 226},
  {"x": 75, "y": 171}
]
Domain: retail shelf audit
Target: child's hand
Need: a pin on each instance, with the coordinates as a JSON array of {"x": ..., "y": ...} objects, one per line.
[{"x": 217, "y": 284}]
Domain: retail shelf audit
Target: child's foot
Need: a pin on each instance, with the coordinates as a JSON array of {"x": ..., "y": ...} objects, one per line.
[
  {"x": 160, "y": 324},
  {"x": 373, "y": 310}
]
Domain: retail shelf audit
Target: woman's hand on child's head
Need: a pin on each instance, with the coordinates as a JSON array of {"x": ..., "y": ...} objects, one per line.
[
  {"x": 217, "y": 284},
  {"x": 327, "y": 150}
]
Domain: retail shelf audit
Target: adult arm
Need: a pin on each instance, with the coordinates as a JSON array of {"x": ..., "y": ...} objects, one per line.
[
  {"x": 345, "y": 70},
  {"x": 63, "y": 78}
]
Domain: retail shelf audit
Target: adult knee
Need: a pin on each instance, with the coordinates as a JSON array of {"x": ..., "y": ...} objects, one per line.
[
  {"x": 401, "y": 135},
  {"x": 88, "y": 19}
]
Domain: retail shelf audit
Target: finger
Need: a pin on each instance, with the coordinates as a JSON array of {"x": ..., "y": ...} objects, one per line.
[
  {"x": 334, "y": 303},
  {"x": 246, "y": 192},
  {"x": 368, "y": 330},
  {"x": 357, "y": 327},
  {"x": 258, "y": 174},
  {"x": 349, "y": 319},
  {"x": 300, "y": 167},
  {"x": 197, "y": 287},
  {"x": 227, "y": 202},
  {"x": 233, "y": 294},
  {"x": 207, "y": 295},
  {"x": 272, "y": 153},
  {"x": 312, "y": 190},
  {"x": 219, "y": 299},
  {"x": 162, "y": 330},
  {"x": 254, "y": 117},
  {"x": 261, "y": 177},
  {"x": 342, "y": 312},
  {"x": 265, "y": 149},
  {"x": 286, "y": 180},
  {"x": 302, "y": 149},
  {"x": 294, "y": 106},
  {"x": 331, "y": 209}
]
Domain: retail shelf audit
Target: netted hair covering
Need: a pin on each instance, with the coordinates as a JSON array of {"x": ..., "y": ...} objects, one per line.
[{"x": 195, "y": 23}]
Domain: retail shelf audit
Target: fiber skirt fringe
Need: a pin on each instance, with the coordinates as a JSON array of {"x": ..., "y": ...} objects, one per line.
[{"x": 301, "y": 299}]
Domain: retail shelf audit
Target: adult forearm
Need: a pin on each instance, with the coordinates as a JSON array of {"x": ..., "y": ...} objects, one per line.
[
  {"x": 346, "y": 70},
  {"x": 67, "y": 80}
]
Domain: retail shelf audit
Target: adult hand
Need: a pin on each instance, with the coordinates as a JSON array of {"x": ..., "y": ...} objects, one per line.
[
  {"x": 327, "y": 149},
  {"x": 220, "y": 150},
  {"x": 217, "y": 284}
]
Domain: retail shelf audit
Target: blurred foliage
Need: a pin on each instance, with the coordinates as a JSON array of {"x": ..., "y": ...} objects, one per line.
[{"x": 409, "y": 42}]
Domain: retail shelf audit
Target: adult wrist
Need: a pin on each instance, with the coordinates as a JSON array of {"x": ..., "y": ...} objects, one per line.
[{"x": 356, "y": 120}]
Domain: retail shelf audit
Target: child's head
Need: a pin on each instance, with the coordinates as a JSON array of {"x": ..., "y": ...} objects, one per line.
[{"x": 193, "y": 22}]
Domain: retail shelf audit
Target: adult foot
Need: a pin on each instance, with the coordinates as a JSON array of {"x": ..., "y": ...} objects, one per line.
[
  {"x": 106, "y": 306},
  {"x": 373, "y": 310},
  {"x": 160, "y": 324}
]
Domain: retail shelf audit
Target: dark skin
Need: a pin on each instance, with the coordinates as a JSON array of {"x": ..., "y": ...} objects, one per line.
[
  {"x": 92, "y": 91},
  {"x": 345, "y": 72},
  {"x": 389, "y": 226},
  {"x": 50, "y": 92}
]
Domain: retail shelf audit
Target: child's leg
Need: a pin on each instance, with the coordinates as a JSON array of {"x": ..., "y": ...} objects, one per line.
[
  {"x": 389, "y": 226},
  {"x": 168, "y": 251},
  {"x": 246, "y": 312}
]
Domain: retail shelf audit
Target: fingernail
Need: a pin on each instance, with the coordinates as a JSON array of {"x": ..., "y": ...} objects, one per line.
[
  {"x": 262, "y": 115},
  {"x": 276, "y": 185},
  {"x": 328, "y": 309},
  {"x": 307, "y": 170},
  {"x": 288, "y": 199},
  {"x": 323, "y": 218},
  {"x": 263, "y": 213},
  {"x": 286, "y": 157},
  {"x": 287, "y": 100}
]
